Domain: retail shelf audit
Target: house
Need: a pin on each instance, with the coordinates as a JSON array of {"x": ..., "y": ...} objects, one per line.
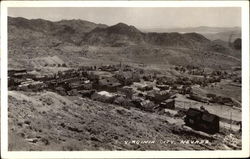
[
  {"x": 127, "y": 77},
  {"x": 13, "y": 72},
  {"x": 80, "y": 86},
  {"x": 109, "y": 84},
  {"x": 127, "y": 91},
  {"x": 163, "y": 87},
  {"x": 147, "y": 105},
  {"x": 30, "y": 84},
  {"x": 13, "y": 82},
  {"x": 123, "y": 101},
  {"x": 158, "y": 96},
  {"x": 197, "y": 97},
  {"x": 202, "y": 121},
  {"x": 108, "y": 68},
  {"x": 61, "y": 91},
  {"x": 104, "y": 96},
  {"x": 100, "y": 74},
  {"x": 168, "y": 104},
  {"x": 72, "y": 92},
  {"x": 86, "y": 93}
]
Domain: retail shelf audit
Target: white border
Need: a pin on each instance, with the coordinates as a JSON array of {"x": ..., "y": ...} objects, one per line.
[{"x": 126, "y": 154}]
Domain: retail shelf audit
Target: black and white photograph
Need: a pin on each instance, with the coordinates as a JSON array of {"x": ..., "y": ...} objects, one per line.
[{"x": 124, "y": 78}]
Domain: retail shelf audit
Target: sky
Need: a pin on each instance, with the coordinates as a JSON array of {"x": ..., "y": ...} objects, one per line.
[{"x": 140, "y": 17}]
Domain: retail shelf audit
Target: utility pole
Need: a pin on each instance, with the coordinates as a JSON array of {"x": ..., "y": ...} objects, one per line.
[
  {"x": 221, "y": 108},
  {"x": 230, "y": 39}
]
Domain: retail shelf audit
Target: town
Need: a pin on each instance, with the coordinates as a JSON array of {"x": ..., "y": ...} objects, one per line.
[{"x": 129, "y": 86}]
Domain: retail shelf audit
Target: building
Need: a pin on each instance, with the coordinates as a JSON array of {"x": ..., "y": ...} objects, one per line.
[
  {"x": 109, "y": 84},
  {"x": 127, "y": 77},
  {"x": 158, "y": 96},
  {"x": 168, "y": 104},
  {"x": 13, "y": 72},
  {"x": 104, "y": 96},
  {"x": 202, "y": 121}
]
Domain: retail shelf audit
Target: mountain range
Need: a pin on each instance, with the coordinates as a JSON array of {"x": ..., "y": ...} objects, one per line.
[
  {"x": 212, "y": 33},
  {"x": 84, "y": 32},
  {"x": 37, "y": 37}
]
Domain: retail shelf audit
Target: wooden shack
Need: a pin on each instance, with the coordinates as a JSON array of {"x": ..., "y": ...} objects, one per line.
[{"x": 202, "y": 121}]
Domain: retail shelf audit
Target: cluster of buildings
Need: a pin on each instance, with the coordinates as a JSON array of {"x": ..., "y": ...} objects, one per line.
[
  {"x": 116, "y": 84},
  {"x": 116, "y": 78},
  {"x": 132, "y": 84},
  {"x": 123, "y": 85},
  {"x": 205, "y": 76}
]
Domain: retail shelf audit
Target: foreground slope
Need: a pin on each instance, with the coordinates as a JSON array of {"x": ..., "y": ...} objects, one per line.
[{"x": 48, "y": 121}]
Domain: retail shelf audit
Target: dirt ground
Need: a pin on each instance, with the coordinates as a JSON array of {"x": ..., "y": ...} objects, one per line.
[{"x": 48, "y": 121}]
